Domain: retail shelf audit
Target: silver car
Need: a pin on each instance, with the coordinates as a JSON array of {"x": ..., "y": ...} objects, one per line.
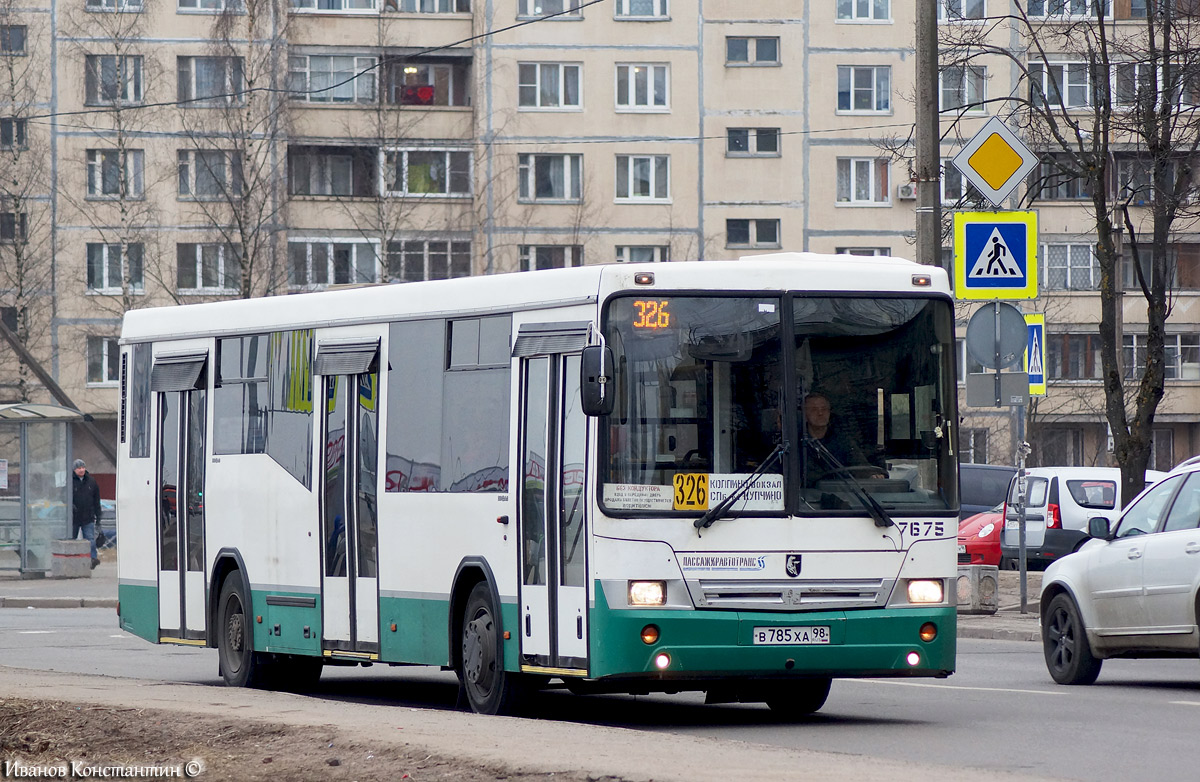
[{"x": 1131, "y": 591}]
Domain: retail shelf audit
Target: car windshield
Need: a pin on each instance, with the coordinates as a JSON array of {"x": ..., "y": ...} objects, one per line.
[{"x": 707, "y": 387}]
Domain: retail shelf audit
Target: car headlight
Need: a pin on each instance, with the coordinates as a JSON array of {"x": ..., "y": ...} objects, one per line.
[
  {"x": 985, "y": 530},
  {"x": 647, "y": 593},
  {"x": 926, "y": 590}
]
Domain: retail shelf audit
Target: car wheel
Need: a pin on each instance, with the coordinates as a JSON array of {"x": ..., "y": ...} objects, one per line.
[
  {"x": 1069, "y": 657},
  {"x": 1008, "y": 563}
]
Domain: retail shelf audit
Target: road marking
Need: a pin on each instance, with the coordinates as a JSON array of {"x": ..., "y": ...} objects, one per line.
[
  {"x": 1184, "y": 703},
  {"x": 36, "y": 632},
  {"x": 957, "y": 687}
]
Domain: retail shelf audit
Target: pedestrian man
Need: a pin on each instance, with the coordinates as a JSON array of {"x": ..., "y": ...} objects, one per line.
[{"x": 87, "y": 507}]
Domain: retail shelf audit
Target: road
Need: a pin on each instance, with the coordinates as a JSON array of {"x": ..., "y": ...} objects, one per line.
[{"x": 1000, "y": 712}]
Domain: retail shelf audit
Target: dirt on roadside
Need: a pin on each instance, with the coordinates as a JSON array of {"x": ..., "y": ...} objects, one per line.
[{"x": 41, "y": 733}]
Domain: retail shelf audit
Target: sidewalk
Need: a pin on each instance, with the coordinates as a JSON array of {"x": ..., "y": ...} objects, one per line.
[{"x": 100, "y": 591}]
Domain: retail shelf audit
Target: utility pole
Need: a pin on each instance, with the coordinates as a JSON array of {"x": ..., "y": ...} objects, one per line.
[{"x": 928, "y": 139}]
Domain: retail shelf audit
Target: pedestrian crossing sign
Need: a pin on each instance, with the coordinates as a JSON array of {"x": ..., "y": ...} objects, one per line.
[
  {"x": 995, "y": 255},
  {"x": 1035, "y": 353}
]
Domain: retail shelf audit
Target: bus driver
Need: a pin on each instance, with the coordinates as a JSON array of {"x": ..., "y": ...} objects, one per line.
[{"x": 840, "y": 444}]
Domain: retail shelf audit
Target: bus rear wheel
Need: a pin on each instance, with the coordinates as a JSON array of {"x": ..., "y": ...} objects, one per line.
[
  {"x": 799, "y": 698},
  {"x": 240, "y": 665},
  {"x": 489, "y": 688}
]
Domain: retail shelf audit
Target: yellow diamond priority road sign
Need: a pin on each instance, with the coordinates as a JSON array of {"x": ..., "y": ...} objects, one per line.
[{"x": 995, "y": 161}]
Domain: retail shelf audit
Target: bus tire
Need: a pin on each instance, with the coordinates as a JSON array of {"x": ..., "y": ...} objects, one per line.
[
  {"x": 799, "y": 698},
  {"x": 240, "y": 665},
  {"x": 489, "y": 689}
]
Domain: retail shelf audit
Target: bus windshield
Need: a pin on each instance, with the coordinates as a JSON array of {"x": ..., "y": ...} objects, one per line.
[{"x": 859, "y": 388}]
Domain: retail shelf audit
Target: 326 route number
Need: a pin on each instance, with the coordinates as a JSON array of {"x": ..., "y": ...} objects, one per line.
[{"x": 691, "y": 490}]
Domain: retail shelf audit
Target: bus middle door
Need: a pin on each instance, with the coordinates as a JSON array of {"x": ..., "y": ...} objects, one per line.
[
  {"x": 554, "y": 537},
  {"x": 349, "y": 508}
]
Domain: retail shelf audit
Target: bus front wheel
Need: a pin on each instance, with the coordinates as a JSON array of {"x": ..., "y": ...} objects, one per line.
[
  {"x": 240, "y": 666},
  {"x": 489, "y": 688},
  {"x": 799, "y": 698}
]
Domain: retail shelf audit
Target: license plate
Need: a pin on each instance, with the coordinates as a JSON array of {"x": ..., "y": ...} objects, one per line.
[
  {"x": 772, "y": 636},
  {"x": 962, "y": 549}
]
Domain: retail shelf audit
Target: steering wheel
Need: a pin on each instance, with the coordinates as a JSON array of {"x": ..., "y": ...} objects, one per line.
[
  {"x": 856, "y": 470},
  {"x": 694, "y": 458}
]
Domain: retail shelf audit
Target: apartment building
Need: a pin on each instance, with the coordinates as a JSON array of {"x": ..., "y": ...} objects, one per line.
[{"x": 173, "y": 151}]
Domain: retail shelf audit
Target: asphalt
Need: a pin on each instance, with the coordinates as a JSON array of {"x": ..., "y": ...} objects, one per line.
[{"x": 100, "y": 591}]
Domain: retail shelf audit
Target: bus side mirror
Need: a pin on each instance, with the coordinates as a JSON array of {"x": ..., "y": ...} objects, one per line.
[{"x": 596, "y": 369}]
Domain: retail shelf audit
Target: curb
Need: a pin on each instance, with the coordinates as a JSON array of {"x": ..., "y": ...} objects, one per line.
[
  {"x": 58, "y": 602},
  {"x": 999, "y": 634}
]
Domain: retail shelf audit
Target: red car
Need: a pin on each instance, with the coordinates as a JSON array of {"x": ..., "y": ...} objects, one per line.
[{"x": 979, "y": 537}]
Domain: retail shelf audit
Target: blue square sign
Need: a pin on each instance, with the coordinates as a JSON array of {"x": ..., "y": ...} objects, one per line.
[{"x": 995, "y": 255}]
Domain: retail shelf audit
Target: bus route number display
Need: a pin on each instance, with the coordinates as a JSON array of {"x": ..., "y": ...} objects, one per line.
[
  {"x": 691, "y": 491},
  {"x": 651, "y": 314}
]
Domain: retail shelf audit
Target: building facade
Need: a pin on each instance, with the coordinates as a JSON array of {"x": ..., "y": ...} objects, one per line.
[{"x": 159, "y": 152}]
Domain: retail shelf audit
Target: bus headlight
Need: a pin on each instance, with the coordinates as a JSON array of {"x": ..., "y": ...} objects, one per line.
[
  {"x": 925, "y": 590},
  {"x": 647, "y": 593}
]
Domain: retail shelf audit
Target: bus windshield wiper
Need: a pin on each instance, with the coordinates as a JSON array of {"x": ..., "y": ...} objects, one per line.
[
  {"x": 877, "y": 511},
  {"x": 721, "y": 508}
]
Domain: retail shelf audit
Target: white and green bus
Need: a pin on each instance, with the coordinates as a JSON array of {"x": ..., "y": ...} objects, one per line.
[{"x": 598, "y": 475}]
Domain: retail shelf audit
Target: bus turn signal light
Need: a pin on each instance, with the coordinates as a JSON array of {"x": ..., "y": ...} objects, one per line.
[
  {"x": 649, "y": 635},
  {"x": 928, "y": 632}
]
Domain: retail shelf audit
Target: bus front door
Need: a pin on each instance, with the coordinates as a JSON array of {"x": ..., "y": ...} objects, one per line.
[
  {"x": 181, "y": 582},
  {"x": 554, "y": 537},
  {"x": 349, "y": 513}
]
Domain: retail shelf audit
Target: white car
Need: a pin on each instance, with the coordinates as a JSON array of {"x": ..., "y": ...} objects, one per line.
[{"x": 1131, "y": 591}]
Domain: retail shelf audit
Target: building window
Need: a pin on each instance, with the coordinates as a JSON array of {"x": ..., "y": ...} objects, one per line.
[
  {"x": 1070, "y": 267},
  {"x": 550, "y": 177},
  {"x": 643, "y": 254},
  {"x": 429, "y": 6},
  {"x": 1181, "y": 356},
  {"x": 209, "y": 174},
  {"x": 862, "y": 181},
  {"x": 1073, "y": 356},
  {"x": 865, "y": 251},
  {"x": 961, "y": 10},
  {"x": 427, "y": 172},
  {"x": 315, "y": 264},
  {"x": 111, "y": 78},
  {"x": 12, "y": 38},
  {"x": 864, "y": 88},
  {"x": 14, "y": 227},
  {"x": 863, "y": 10},
  {"x": 12, "y": 133},
  {"x": 103, "y": 360},
  {"x": 1056, "y": 180},
  {"x": 210, "y": 81},
  {"x": 961, "y": 88},
  {"x": 752, "y": 142},
  {"x": 535, "y": 257},
  {"x": 414, "y": 260},
  {"x": 334, "y": 6},
  {"x": 208, "y": 268},
  {"x": 642, "y": 87},
  {"x": 643, "y": 177},
  {"x": 547, "y": 85},
  {"x": 1063, "y": 9},
  {"x": 210, "y": 5},
  {"x": 1134, "y": 181},
  {"x": 1058, "y": 446},
  {"x": 1060, "y": 84},
  {"x": 1162, "y": 450},
  {"x": 641, "y": 9},
  {"x": 967, "y": 365},
  {"x": 332, "y": 79},
  {"x": 564, "y": 8},
  {"x": 109, "y": 266},
  {"x": 115, "y": 173},
  {"x": 751, "y": 233},
  {"x": 751, "y": 51},
  {"x": 973, "y": 446},
  {"x": 428, "y": 83},
  {"x": 333, "y": 171},
  {"x": 114, "y": 5},
  {"x": 955, "y": 188},
  {"x": 1133, "y": 83}
]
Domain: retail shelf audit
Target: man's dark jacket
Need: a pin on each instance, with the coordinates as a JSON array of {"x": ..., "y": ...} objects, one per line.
[{"x": 87, "y": 498}]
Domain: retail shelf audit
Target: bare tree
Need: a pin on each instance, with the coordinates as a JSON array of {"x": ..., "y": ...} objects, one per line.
[{"x": 1114, "y": 107}]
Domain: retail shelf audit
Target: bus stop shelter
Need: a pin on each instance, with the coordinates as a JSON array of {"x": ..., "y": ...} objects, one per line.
[{"x": 35, "y": 483}]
